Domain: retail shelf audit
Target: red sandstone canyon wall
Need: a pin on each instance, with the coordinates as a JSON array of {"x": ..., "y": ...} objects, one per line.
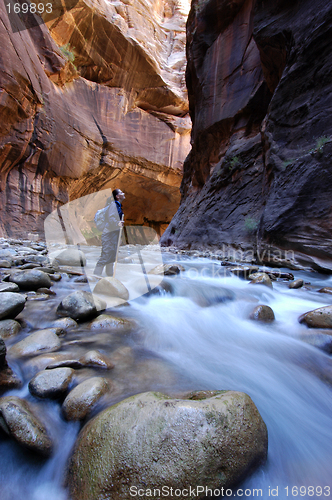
[{"x": 93, "y": 99}]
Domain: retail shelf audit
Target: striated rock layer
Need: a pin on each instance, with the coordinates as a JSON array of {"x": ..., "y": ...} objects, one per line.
[
  {"x": 258, "y": 176},
  {"x": 93, "y": 99}
]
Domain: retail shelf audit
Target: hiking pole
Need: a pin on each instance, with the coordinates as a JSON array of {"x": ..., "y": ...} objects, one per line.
[{"x": 117, "y": 248}]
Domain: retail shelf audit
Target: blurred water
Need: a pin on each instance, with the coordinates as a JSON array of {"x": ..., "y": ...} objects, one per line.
[
  {"x": 196, "y": 335},
  {"x": 221, "y": 349}
]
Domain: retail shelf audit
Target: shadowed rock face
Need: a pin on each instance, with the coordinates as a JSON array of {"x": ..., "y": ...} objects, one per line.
[
  {"x": 110, "y": 111},
  {"x": 259, "y": 85}
]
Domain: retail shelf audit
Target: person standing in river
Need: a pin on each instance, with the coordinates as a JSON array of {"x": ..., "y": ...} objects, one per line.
[{"x": 111, "y": 233}]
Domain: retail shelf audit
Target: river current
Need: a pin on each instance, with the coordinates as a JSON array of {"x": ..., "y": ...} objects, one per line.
[{"x": 187, "y": 339}]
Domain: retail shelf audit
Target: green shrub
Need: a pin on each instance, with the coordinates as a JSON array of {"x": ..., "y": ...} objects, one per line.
[
  {"x": 320, "y": 143},
  {"x": 234, "y": 162},
  {"x": 68, "y": 53},
  {"x": 250, "y": 224},
  {"x": 285, "y": 164}
]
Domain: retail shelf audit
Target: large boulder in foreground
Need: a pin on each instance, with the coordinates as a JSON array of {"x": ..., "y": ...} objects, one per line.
[
  {"x": 80, "y": 306},
  {"x": 150, "y": 440},
  {"x": 318, "y": 318}
]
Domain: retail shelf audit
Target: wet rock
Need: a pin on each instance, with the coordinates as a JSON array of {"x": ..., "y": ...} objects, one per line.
[
  {"x": 3, "y": 352},
  {"x": 176, "y": 443},
  {"x": 296, "y": 284},
  {"x": 64, "y": 323},
  {"x": 46, "y": 291},
  {"x": 262, "y": 279},
  {"x": 111, "y": 287},
  {"x": 47, "y": 270},
  {"x": 326, "y": 289},
  {"x": 43, "y": 361},
  {"x": 26, "y": 250},
  {"x": 9, "y": 287},
  {"x": 322, "y": 339},
  {"x": 262, "y": 313},
  {"x": 9, "y": 379},
  {"x": 107, "y": 322},
  {"x": 19, "y": 421},
  {"x": 51, "y": 383},
  {"x": 41, "y": 341},
  {"x": 5, "y": 263},
  {"x": 11, "y": 304},
  {"x": 7, "y": 254},
  {"x": 71, "y": 257},
  {"x": 38, "y": 297},
  {"x": 80, "y": 279},
  {"x": 31, "y": 279},
  {"x": 83, "y": 397},
  {"x": 80, "y": 306},
  {"x": 318, "y": 318},
  {"x": 68, "y": 361},
  {"x": 71, "y": 271},
  {"x": 9, "y": 328},
  {"x": 39, "y": 248},
  {"x": 56, "y": 276},
  {"x": 167, "y": 269},
  {"x": 28, "y": 266},
  {"x": 96, "y": 359},
  {"x": 244, "y": 271},
  {"x": 281, "y": 275},
  {"x": 36, "y": 259}
]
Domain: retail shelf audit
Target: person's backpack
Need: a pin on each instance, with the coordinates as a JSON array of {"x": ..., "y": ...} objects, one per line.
[{"x": 100, "y": 218}]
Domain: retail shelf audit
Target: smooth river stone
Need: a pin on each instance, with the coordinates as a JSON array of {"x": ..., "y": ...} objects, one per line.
[
  {"x": 51, "y": 383},
  {"x": 318, "y": 318},
  {"x": 9, "y": 287},
  {"x": 64, "y": 323},
  {"x": 326, "y": 289},
  {"x": 107, "y": 322},
  {"x": 9, "y": 379},
  {"x": 261, "y": 279},
  {"x": 83, "y": 397},
  {"x": 111, "y": 287},
  {"x": 71, "y": 257},
  {"x": 19, "y": 421},
  {"x": 9, "y": 328},
  {"x": 5, "y": 263},
  {"x": 31, "y": 279},
  {"x": 37, "y": 343},
  {"x": 262, "y": 313},
  {"x": 11, "y": 304},
  {"x": 80, "y": 306},
  {"x": 296, "y": 284},
  {"x": 167, "y": 269},
  {"x": 97, "y": 360}
]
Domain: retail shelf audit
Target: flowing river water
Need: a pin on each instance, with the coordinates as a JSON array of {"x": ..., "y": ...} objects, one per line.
[{"x": 187, "y": 338}]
